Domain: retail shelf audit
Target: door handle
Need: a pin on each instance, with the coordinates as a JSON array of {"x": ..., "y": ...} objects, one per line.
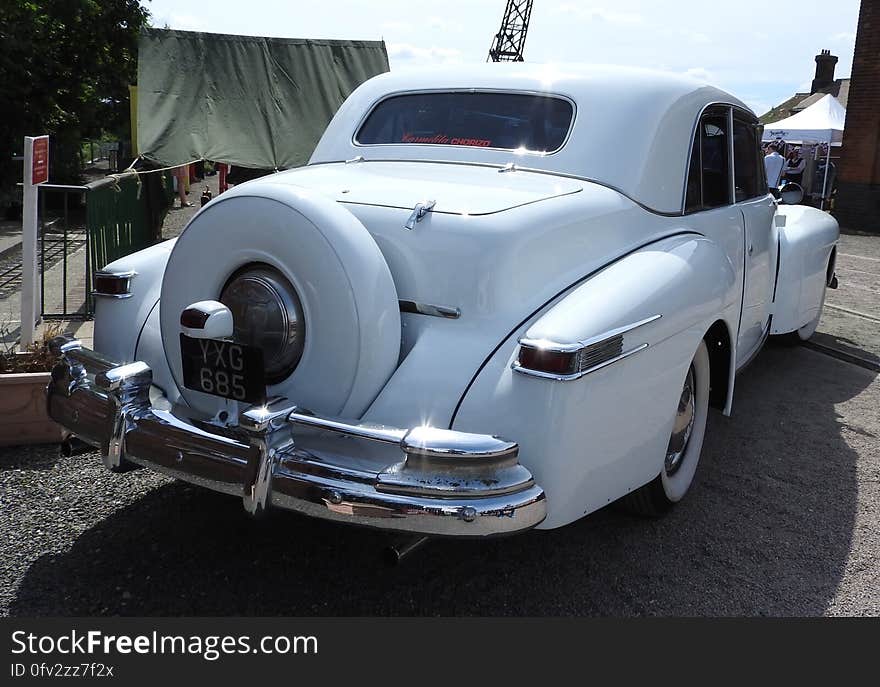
[{"x": 751, "y": 248}]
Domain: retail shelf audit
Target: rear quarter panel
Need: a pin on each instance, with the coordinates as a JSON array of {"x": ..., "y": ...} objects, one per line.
[{"x": 592, "y": 440}]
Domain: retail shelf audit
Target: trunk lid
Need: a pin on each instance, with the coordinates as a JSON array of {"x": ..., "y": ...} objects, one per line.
[{"x": 456, "y": 189}]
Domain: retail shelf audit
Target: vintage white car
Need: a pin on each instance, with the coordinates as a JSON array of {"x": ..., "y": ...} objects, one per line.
[{"x": 498, "y": 297}]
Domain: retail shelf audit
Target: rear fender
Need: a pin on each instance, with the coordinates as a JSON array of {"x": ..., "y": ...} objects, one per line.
[
  {"x": 119, "y": 321},
  {"x": 590, "y": 440}
]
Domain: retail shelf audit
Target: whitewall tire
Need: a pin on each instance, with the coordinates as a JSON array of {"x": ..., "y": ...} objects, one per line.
[{"x": 684, "y": 446}]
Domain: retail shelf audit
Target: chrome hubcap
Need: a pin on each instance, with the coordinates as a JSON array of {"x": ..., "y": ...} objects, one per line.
[{"x": 683, "y": 426}]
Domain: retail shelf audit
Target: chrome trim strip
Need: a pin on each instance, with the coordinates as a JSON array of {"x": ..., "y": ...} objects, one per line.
[
  {"x": 117, "y": 296},
  {"x": 496, "y": 165},
  {"x": 556, "y": 347},
  {"x": 463, "y": 213},
  {"x": 383, "y": 433},
  {"x": 128, "y": 274},
  {"x": 516, "y": 367},
  {"x": 429, "y": 309}
]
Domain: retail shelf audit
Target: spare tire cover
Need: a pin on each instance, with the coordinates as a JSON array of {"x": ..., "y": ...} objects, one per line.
[{"x": 350, "y": 308}]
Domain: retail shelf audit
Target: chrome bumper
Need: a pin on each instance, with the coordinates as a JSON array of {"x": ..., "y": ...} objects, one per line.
[{"x": 423, "y": 480}]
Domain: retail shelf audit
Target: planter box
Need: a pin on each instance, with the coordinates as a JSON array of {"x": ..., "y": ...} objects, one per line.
[{"x": 23, "y": 416}]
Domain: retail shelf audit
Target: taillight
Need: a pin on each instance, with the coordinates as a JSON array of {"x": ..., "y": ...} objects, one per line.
[
  {"x": 546, "y": 360},
  {"x": 565, "y": 361},
  {"x": 113, "y": 284}
]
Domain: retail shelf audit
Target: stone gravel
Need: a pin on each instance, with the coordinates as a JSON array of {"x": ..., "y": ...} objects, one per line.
[{"x": 784, "y": 519}]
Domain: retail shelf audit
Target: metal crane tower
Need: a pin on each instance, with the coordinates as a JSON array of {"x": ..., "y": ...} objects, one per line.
[{"x": 511, "y": 38}]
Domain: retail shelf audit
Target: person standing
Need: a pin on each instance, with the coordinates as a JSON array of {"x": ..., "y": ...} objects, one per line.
[
  {"x": 794, "y": 167},
  {"x": 182, "y": 175},
  {"x": 773, "y": 165}
]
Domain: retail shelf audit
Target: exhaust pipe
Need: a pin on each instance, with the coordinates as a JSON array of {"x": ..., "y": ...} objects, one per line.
[
  {"x": 396, "y": 551},
  {"x": 73, "y": 446}
]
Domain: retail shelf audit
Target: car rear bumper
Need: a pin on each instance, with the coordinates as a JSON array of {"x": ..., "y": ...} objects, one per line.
[{"x": 422, "y": 480}]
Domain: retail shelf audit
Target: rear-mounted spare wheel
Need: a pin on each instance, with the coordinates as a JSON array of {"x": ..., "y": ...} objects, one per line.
[
  {"x": 267, "y": 314},
  {"x": 306, "y": 283}
]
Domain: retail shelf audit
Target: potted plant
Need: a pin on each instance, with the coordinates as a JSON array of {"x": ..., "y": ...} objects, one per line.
[{"x": 23, "y": 379}]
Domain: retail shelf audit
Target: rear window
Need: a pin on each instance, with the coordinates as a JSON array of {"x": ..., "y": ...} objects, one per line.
[{"x": 482, "y": 120}]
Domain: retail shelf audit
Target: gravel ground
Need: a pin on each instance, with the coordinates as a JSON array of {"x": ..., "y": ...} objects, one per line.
[
  {"x": 177, "y": 216},
  {"x": 782, "y": 520}
]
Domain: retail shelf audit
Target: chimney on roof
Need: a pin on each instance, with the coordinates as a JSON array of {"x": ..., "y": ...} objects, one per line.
[{"x": 825, "y": 63}]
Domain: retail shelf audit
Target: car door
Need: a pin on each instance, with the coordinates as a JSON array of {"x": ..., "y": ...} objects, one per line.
[
  {"x": 761, "y": 247},
  {"x": 709, "y": 201}
]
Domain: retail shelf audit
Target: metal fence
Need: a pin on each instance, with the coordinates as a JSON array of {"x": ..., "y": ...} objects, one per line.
[
  {"x": 65, "y": 272},
  {"x": 83, "y": 228},
  {"x": 118, "y": 218}
]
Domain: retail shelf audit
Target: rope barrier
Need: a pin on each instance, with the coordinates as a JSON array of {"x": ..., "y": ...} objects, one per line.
[{"x": 160, "y": 169}]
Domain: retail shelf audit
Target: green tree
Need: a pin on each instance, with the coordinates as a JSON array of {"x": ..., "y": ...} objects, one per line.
[{"x": 65, "y": 67}]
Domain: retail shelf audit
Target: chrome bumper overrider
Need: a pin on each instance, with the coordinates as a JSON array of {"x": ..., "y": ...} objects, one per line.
[{"x": 422, "y": 480}]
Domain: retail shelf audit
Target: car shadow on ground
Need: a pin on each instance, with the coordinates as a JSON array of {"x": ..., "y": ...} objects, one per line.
[
  {"x": 846, "y": 346},
  {"x": 767, "y": 529},
  {"x": 34, "y": 457}
]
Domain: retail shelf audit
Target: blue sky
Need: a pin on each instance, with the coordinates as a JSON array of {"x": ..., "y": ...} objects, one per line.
[{"x": 760, "y": 51}]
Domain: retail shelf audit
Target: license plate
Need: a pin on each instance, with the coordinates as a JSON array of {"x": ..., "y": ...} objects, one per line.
[{"x": 223, "y": 368}]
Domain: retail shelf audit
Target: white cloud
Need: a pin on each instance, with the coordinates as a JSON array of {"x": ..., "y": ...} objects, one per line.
[
  {"x": 697, "y": 37},
  {"x": 599, "y": 14},
  {"x": 759, "y": 107},
  {"x": 844, "y": 37},
  {"x": 184, "y": 22},
  {"x": 700, "y": 74},
  {"x": 414, "y": 53},
  {"x": 396, "y": 26}
]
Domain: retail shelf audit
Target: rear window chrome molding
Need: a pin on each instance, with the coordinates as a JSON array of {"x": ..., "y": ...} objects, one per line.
[{"x": 500, "y": 91}]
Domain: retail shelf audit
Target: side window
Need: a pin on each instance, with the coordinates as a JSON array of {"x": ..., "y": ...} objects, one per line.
[
  {"x": 708, "y": 183},
  {"x": 714, "y": 146},
  {"x": 745, "y": 161}
]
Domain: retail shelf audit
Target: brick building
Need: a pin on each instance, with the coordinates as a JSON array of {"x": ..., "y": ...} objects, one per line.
[{"x": 858, "y": 192}]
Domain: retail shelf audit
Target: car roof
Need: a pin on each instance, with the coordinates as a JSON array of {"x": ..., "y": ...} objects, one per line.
[{"x": 632, "y": 127}]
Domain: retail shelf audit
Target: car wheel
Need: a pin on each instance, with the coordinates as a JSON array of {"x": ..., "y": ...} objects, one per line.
[{"x": 684, "y": 446}]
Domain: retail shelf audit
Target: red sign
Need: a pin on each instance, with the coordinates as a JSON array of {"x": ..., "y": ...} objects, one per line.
[{"x": 40, "y": 173}]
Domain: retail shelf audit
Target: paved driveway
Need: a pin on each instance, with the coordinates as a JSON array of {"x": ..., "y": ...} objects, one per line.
[{"x": 783, "y": 519}]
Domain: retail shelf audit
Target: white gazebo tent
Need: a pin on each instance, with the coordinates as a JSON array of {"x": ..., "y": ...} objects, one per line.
[{"x": 821, "y": 122}]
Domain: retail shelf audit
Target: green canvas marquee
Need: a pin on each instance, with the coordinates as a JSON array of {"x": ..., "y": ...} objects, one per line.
[{"x": 248, "y": 101}]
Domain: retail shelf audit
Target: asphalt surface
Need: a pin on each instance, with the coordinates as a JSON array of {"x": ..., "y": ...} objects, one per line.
[{"x": 782, "y": 520}]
